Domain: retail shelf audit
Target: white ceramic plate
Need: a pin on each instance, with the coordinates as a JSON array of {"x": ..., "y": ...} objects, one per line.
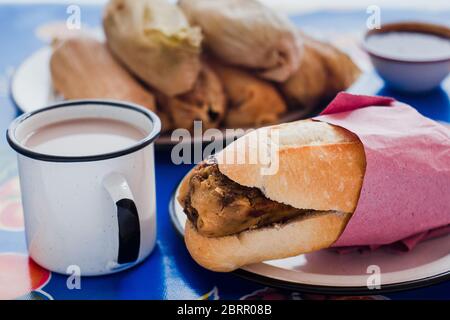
[
  {"x": 32, "y": 89},
  {"x": 328, "y": 272},
  {"x": 31, "y": 86}
]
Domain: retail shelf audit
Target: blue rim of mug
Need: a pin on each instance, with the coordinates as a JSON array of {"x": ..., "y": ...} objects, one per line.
[{"x": 151, "y": 136}]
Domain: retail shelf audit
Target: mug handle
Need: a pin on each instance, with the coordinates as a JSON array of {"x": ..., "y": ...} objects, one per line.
[{"x": 127, "y": 217}]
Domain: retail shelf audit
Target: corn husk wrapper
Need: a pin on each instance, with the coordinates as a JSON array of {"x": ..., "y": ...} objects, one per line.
[
  {"x": 252, "y": 102},
  {"x": 246, "y": 33},
  {"x": 84, "y": 68},
  {"x": 324, "y": 71},
  {"x": 155, "y": 41},
  {"x": 206, "y": 102}
]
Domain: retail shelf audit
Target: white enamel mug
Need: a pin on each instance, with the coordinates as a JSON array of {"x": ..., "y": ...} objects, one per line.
[{"x": 96, "y": 212}]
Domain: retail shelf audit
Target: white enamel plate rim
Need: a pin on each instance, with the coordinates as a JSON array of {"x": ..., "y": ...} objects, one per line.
[{"x": 284, "y": 272}]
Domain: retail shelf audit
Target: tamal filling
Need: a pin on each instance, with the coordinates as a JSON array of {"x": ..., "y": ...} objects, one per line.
[{"x": 218, "y": 206}]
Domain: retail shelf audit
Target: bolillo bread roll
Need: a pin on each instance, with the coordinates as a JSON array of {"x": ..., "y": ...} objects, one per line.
[
  {"x": 320, "y": 173},
  {"x": 299, "y": 236}
]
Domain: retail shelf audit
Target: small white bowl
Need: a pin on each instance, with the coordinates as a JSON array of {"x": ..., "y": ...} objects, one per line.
[{"x": 410, "y": 75}]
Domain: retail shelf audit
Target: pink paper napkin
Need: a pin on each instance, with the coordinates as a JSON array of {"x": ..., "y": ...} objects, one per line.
[{"x": 406, "y": 190}]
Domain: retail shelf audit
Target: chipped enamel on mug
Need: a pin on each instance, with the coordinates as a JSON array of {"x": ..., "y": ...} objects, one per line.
[{"x": 95, "y": 212}]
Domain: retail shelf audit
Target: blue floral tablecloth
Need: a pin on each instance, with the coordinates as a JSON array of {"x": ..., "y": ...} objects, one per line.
[{"x": 169, "y": 273}]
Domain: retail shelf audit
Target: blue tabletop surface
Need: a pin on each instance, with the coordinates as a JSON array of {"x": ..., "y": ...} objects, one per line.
[{"x": 169, "y": 273}]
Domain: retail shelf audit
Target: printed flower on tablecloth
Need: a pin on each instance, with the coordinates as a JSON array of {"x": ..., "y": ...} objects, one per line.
[
  {"x": 21, "y": 278},
  {"x": 11, "y": 215}
]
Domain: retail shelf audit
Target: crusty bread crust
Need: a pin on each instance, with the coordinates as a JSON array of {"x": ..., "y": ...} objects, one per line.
[
  {"x": 321, "y": 166},
  {"x": 305, "y": 234}
]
